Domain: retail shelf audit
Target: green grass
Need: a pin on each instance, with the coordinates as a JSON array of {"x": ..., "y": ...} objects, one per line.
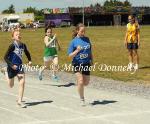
[{"x": 107, "y": 43}]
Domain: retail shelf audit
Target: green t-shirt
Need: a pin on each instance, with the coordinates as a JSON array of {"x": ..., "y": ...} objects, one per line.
[{"x": 51, "y": 49}]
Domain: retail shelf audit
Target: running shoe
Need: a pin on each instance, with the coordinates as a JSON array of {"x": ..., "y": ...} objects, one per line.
[
  {"x": 82, "y": 102},
  {"x": 136, "y": 67},
  {"x": 130, "y": 66},
  {"x": 21, "y": 104},
  {"x": 55, "y": 78}
]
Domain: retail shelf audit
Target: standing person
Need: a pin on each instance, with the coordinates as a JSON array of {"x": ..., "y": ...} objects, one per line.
[
  {"x": 132, "y": 42},
  {"x": 50, "y": 53},
  {"x": 81, "y": 54},
  {"x": 13, "y": 58}
]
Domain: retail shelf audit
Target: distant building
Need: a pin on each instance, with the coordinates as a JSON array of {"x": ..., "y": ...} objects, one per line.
[
  {"x": 57, "y": 17},
  {"x": 23, "y": 17},
  {"x": 97, "y": 16}
]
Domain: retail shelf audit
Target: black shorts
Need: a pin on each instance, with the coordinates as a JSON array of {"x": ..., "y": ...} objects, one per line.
[
  {"x": 132, "y": 46},
  {"x": 83, "y": 68},
  {"x": 12, "y": 73}
]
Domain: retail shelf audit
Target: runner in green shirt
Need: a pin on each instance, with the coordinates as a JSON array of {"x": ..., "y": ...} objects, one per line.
[{"x": 50, "y": 53}]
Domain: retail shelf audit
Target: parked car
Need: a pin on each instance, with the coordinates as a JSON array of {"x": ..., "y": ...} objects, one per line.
[
  {"x": 22, "y": 25},
  {"x": 1, "y": 25},
  {"x": 41, "y": 24},
  {"x": 50, "y": 24},
  {"x": 65, "y": 24}
]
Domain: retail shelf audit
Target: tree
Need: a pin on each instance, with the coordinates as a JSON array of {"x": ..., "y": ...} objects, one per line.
[
  {"x": 39, "y": 15},
  {"x": 113, "y": 5},
  {"x": 98, "y": 7},
  {"x": 11, "y": 9},
  {"x": 30, "y": 10},
  {"x": 127, "y": 3}
]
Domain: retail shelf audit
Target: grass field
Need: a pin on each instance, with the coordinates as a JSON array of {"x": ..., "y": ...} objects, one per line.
[{"x": 108, "y": 48}]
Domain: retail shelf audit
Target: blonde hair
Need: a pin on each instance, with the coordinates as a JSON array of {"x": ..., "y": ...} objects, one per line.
[
  {"x": 77, "y": 28},
  {"x": 13, "y": 32},
  {"x": 132, "y": 17}
]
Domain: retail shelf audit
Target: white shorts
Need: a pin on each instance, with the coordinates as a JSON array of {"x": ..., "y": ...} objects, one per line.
[{"x": 49, "y": 58}]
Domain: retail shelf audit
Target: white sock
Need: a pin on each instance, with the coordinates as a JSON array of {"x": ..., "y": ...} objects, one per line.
[{"x": 82, "y": 99}]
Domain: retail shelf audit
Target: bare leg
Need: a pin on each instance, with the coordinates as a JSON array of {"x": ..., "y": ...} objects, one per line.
[
  {"x": 55, "y": 66},
  {"x": 136, "y": 57},
  {"x": 80, "y": 85},
  {"x": 10, "y": 82},
  {"x": 86, "y": 79},
  {"x": 21, "y": 79},
  {"x": 130, "y": 56},
  {"x": 46, "y": 65}
]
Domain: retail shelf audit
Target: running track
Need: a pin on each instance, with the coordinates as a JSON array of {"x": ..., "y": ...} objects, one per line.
[{"x": 53, "y": 103}]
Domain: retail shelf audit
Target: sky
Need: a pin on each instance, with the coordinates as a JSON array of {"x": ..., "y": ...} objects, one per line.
[{"x": 40, "y": 4}]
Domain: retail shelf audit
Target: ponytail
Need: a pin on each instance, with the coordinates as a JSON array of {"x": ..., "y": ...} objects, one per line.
[
  {"x": 77, "y": 28},
  {"x": 74, "y": 34}
]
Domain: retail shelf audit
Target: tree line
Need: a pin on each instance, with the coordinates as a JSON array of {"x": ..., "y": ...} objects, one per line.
[{"x": 109, "y": 5}]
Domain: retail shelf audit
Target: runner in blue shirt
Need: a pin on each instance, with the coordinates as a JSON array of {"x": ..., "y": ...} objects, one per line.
[
  {"x": 13, "y": 58},
  {"x": 81, "y": 53}
]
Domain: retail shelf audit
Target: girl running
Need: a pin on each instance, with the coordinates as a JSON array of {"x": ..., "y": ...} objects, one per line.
[
  {"x": 50, "y": 53},
  {"x": 13, "y": 58},
  {"x": 132, "y": 42},
  {"x": 81, "y": 53}
]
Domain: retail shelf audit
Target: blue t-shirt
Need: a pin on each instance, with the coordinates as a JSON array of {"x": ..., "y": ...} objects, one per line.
[
  {"x": 14, "y": 54},
  {"x": 84, "y": 56}
]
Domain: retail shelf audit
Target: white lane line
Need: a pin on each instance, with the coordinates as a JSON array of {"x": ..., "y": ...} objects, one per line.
[
  {"x": 19, "y": 114},
  {"x": 87, "y": 117},
  {"x": 101, "y": 117},
  {"x": 65, "y": 94},
  {"x": 52, "y": 105},
  {"x": 35, "y": 122},
  {"x": 45, "y": 89},
  {"x": 73, "y": 119},
  {"x": 64, "y": 108}
]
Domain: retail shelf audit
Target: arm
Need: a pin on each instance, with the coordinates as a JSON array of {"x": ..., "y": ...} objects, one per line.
[
  {"x": 10, "y": 49},
  {"x": 91, "y": 56},
  {"x": 125, "y": 41},
  {"x": 27, "y": 53},
  {"x": 47, "y": 42},
  {"x": 138, "y": 39},
  {"x": 59, "y": 48},
  {"x": 138, "y": 36},
  {"x": 91, "y": 52},
  {"x": 126, "y": 36},
  {"x": 73, "y": 51},
  {"x": 73, "y": 54}
]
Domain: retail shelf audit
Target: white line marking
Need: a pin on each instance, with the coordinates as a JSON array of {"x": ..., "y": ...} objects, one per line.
[
  {"x": 35, "y": 122},
  {"x": 81, "y": 118},
  {"x": 17, "y": 113},
  {"x": 87, "y": 116},
  {"x": 72, "y": 119},
  {"x": 65, "y": 94},
  {"x": 52, "y": 105}
]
